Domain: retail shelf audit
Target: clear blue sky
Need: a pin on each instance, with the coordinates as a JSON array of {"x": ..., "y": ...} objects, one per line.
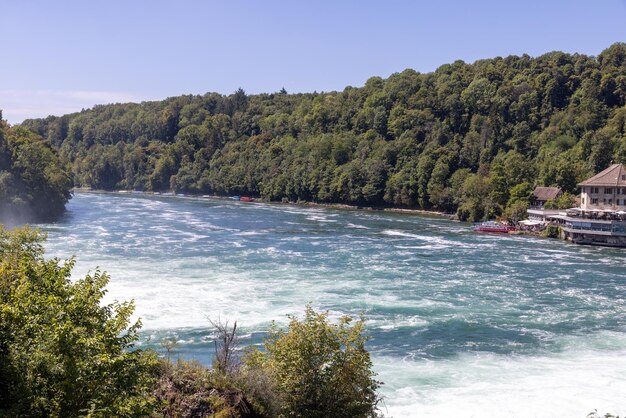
[{"x": 61, "y": 56}]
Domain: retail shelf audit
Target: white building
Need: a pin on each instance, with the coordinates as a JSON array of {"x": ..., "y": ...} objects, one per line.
[
  {"x": 601, "y": 217},
  {"x": 606, "y": 190}
]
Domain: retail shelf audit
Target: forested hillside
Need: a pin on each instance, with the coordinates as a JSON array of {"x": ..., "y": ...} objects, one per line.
[
  {"x": 472, "y": 138},
  {"x": 35, "y": 183}
]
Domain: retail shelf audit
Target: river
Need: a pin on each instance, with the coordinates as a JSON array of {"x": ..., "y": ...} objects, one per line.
[{"x": 462, "y": 324}]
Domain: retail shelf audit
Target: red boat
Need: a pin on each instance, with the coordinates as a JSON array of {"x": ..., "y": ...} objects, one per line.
[
  {"x": 493, "y": 227},
  {"x": 246, "y": 199}
]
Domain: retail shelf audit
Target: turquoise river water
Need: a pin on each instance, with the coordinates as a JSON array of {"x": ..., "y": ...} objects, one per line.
[{"x": 462, "y": 324}]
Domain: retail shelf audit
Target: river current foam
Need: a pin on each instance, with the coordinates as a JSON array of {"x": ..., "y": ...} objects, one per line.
[{"x": 461, "y": 324}]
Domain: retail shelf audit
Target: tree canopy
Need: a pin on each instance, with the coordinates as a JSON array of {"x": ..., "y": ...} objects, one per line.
[
  {"x": 35, "y": 182},
  {"x": 63, "y": 353},
  {"x": 460, "y": 138}
]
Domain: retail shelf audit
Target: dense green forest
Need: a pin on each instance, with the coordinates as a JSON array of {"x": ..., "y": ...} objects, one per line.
[
  {"x": 35, "y": 182},
  {"x": 467, "y": 138},
  {"x": 64, "y": 353}
]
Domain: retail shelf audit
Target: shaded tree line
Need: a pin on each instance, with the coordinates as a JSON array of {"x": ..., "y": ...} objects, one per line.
[
  {"x": 35, "y": 182},
  {"x": 467, "y": 138}
]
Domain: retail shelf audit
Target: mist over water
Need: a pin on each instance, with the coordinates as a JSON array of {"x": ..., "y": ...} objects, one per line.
[{"x": 462, "y": 324}]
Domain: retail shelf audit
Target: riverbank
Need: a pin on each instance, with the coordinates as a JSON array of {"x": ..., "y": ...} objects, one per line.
[
  {"x": 334, "y": 206},
  {"x": 339, "y": 206}
]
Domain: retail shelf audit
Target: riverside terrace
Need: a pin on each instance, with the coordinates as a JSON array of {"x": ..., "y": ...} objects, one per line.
[
  {"x": 601, "y": 217},
  {"x": 594, "y": 227}
]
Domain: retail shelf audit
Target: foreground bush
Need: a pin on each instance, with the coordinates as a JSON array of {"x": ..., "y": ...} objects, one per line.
[
  {"x": 314, "y": 368},
  {"x": 319, "y": 369},
  {"x": 62, "y": 353}
]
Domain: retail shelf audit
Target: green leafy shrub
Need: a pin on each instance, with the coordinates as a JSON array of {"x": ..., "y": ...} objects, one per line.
[
  {"x": 552, "y": 231},
  {"x": 319, "y": 369},
  {"x": 62, "y": 353}
]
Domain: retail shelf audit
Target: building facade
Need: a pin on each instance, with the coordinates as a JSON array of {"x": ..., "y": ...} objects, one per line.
[
  {"x": 601, "y": 217},
  {"x": 605, "y": 190}
]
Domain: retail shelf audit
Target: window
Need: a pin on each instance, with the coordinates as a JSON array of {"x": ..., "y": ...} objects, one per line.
[
  {"x": 594, "y": 201},
  {"x": 610, "y": 201},
  {"x": 583, "y": 200},
  {"x": 623, "y": 176},
  {"x": 608, "y": 190}
]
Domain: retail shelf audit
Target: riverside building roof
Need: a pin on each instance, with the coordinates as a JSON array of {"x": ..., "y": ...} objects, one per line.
[
  {"x": 546, "y": 193},
  {"x": 614, "y": 176}
]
